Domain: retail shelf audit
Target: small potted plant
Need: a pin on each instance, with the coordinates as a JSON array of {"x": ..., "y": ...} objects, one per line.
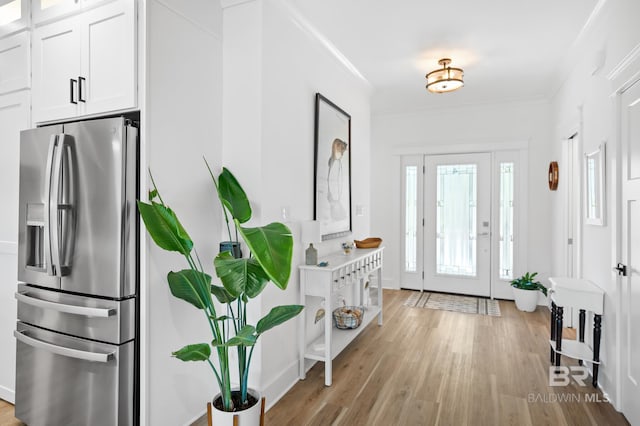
[
  {"x": 271, "y": 248},
  {"x": 525, "y": 292}
]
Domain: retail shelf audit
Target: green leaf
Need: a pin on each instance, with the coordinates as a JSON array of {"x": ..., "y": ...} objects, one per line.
[
  {"x": 191, "y": 286},
  {"x": 165, "y": 228},
  {"x": 153, "y": 194},
  {"x": 221, "y": 318},
  {"x": 247, "y": 337},
  {"x": 233, "y": 196},
  {"x": 240, "y": 275},
  {"x": 277, "y": 316},
  {"x": 222, "y": 294},
  {"x": 195, "y": 352},
  {"x": 272, "y": 247}
]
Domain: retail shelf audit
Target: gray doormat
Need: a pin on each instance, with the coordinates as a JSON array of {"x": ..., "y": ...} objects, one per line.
[{"x": 453, "y": 302}]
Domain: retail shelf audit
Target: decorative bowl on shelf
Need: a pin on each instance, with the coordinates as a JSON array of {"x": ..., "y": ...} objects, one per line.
[{"x": 371, "y": 242}]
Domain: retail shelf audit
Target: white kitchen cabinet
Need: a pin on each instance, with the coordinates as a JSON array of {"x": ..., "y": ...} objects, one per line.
[
  {"x": 14, "y": 62},
  {"x": 14, "y": 16},
  {"x": 45, "y": 11},
  {"x": 14, "y": 116},
  {"x": 109, "y": 58},
  {"x": 56, "y": 67},
  {"x": 85, "y": 64}
]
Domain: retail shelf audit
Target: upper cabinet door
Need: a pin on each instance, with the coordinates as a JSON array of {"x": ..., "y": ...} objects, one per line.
[
  {"x": 109, "y": 57},
  {"x": 14, "y": 16},
  {"x": 14, "y": 62},
  {"x": 56, "y": 68},
  {"x": 47, "y": 10}
]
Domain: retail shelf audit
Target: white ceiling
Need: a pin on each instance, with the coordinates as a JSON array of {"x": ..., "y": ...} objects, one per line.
[{"x": 509, "y": 49}]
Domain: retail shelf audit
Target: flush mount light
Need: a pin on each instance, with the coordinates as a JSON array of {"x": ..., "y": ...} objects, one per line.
[{"x": 445, "y": 79}]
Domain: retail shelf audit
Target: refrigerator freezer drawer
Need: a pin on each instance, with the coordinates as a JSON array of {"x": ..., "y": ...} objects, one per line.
[
  {"x": 63, "y": 380},
  {"x": 104, "y": 320}
]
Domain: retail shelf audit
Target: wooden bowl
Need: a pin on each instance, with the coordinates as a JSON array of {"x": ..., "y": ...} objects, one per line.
[{"x": 371, "y": 242}]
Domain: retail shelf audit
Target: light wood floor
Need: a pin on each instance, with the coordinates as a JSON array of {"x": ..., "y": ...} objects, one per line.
[
  {"x": 6, "y": 415},
  {"x": 427, "y": 367}
]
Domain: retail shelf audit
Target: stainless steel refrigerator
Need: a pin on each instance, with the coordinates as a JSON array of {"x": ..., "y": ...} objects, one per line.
[{"x": 77, "y": 264}]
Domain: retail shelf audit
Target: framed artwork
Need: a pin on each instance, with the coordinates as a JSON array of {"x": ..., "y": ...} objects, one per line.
[{"x": 332, "y": 169}]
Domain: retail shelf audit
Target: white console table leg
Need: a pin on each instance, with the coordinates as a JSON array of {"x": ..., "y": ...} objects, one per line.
[
  {"x": 328, "y": 326},
  {"x": 380, "y": 293},
  {"x": 301, "y": 326}
]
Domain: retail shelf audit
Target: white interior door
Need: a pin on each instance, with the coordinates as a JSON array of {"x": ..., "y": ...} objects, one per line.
[
  {"x": 630, "y": 289},
  {"x": 457, "y": 231}
]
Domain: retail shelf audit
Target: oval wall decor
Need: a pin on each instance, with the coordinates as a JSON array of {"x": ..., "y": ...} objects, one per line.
[{"x": 553, "y": 175}]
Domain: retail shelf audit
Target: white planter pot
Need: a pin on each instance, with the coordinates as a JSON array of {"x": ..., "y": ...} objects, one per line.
[
  {"x": 248, "y": 417},
  {"x": 526, "y": 300}
]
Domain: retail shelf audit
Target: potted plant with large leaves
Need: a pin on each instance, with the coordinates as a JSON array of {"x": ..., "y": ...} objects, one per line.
[
  {"x": 525, "y": 291},
  {"x": 242, "y": 279}
]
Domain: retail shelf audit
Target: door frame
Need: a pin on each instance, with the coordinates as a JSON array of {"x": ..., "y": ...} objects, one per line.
[
  {"x": 497, "y": 149},
  {"x": 622, "y": 77}
]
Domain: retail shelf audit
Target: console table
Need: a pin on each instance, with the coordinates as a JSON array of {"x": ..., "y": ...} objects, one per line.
[
  {"x": 585, "y": 296},
  {"x": 351, "y": 270}
]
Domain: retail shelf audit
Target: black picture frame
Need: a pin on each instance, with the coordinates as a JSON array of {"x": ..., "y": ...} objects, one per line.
[{"x": 332, "y": 169}]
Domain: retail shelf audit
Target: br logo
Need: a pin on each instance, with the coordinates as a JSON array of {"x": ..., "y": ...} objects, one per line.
[{"x": 562, "y": 375}]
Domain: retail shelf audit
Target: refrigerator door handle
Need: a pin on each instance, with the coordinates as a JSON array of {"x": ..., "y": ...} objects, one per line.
[
  {"x": 55, "y": 207},
  {"x": 63, "y": 350},
  {"x": 61, "y": 307},
  {"x": 47, "y": 206}
]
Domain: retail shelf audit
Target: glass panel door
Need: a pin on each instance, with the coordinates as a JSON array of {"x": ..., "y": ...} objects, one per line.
[
  {"x": 412, "y": 218},
  {"x": 457, "y": 228},
  {"x": 456, "y": 219}
]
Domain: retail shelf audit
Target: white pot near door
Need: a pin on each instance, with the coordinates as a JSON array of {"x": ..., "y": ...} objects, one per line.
[
  {"x": 248, "y": 417},
  {"x": 526, "y": 300}
]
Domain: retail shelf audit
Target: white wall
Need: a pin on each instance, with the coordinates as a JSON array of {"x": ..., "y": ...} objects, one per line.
[
  {"x": 612, "y": 35},
  {"x": 289, "y": 65},
  {"x": 470, "y": 126},
  {"x": 183, "y": 123}
]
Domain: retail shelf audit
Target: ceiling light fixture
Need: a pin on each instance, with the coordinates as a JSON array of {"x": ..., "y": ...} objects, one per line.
[{"x": 446, "y": 79}]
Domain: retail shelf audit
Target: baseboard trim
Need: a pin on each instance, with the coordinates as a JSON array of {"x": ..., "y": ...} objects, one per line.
[
  {"x": 389, "y": 284},
  {"x": 281, "y": 384},
  {"x": 7, "y": 394}
]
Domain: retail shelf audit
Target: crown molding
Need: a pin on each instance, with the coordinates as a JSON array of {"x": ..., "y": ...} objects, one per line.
[
  {"x": 312, "y": 32},
  {"x": 626, "y": 62}
]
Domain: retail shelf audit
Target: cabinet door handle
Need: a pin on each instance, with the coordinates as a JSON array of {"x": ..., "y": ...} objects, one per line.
[
  {"x": 81, "y": 81},
  {"x": 72, "y": 83}
]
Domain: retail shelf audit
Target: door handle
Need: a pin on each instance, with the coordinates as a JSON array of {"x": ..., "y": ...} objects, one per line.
[
  {"x": 47, "y": 205},
  {"x": 621, "y": 269},
  {"x": 72, "y": 98},
  {"x": 54, "y": 206},
  {"x": 63, "y": 350},
  {"x": 67, "y": 190},
  {"x": 484, "y": 234},
  {"x": 65, "y": 308},
  {"x": 81, "y": 80}
]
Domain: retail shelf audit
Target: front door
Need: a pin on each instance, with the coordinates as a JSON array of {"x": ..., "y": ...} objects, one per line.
[
  {"x": 630, "y": 337},
  {"x": 457, "y": 231}
]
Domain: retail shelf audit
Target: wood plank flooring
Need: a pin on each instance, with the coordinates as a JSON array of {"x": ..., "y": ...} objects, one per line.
[
  {"x": 6, "y": 415},
  {"x": 427, "y": 367}
]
